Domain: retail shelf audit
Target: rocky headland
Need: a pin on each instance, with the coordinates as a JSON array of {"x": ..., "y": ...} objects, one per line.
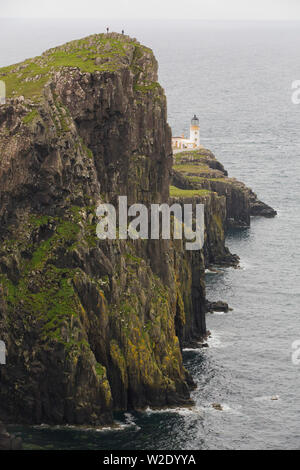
[{"x": 92, "y": 327}]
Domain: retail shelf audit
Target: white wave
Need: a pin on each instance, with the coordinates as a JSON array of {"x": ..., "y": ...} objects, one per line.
[
  {"x": 244, "y": 265},
  {"x": 117, "y": 426},
  {"x": 183, "y": 411},
  {"x": 212, "y": 271},
  {"x": 193, "y": 349},
  {"x": 71, "y": 427},
  {"x": 129, "y": 422},
  {"x": 270, "y": 398},
  {"x": 229, "y": 409},
  {"x": 129, "y": 418},
  {"x": 214, "y": 340}
]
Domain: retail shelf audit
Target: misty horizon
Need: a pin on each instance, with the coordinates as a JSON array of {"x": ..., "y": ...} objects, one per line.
[{"x": 271, "y": 10}]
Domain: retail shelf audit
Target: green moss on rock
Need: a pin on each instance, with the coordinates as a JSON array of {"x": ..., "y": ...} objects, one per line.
[
  {"x": 96, "y": 53},
  {"x": 30, "y": 116},
  {"x": 176, "y": 192}
]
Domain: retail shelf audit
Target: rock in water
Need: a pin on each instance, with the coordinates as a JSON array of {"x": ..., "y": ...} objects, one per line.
[
  {"x": 217, "y": 406},
  {"x": 7, "y": 441},
  {"x": 218, "y": 307}
]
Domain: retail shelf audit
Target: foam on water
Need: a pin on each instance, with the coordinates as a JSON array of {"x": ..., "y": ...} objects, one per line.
[
  {"x": 194, "y": 349},
  {"x": 214, "y": 340},
  {"x": 182, "y": 411},
  {"x": 118, "y": 426},
  {"x": 268, "y": 398}
]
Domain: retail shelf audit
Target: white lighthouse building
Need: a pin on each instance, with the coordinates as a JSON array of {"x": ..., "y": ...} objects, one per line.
[{"x": 181, "y": 143}]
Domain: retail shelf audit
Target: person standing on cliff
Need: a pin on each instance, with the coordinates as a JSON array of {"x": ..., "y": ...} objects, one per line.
[
  {"x": 107, "y": 30},
  {"x": 123, "y": 31}
]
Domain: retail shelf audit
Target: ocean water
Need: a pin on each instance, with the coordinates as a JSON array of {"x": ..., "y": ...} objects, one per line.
[{"x": 237, "y": 78}]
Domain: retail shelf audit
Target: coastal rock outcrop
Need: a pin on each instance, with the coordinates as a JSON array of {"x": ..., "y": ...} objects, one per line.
[
  {"x": 199, "y": 169},
  {"x": 218, "y": 306}
]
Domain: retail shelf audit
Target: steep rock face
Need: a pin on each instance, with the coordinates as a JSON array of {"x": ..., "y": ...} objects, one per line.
[
  {"x": 90, "y": 326},
  {"x": 198, "y": 178},
  {"x": 215, "y": 215}
]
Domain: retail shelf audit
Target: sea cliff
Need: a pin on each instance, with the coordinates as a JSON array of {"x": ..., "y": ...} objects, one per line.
[{"x": 92, "y": 327}]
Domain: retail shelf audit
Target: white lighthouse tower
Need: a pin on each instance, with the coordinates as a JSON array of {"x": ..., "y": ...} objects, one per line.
[
  {"x": 195, "y": 131},
  {"x": 181, "y": 143}
]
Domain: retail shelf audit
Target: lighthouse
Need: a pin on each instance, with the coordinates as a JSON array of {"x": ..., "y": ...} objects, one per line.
[
  {"x": 195, "y": 131},
  {"x": 181, "y": 143}
]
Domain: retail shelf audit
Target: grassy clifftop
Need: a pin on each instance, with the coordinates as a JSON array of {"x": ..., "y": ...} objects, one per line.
[{"x": 99, "y": 52}]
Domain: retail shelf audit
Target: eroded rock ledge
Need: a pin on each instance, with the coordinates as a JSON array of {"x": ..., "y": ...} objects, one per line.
[
  {"x": 199, "y": 169},
  {"x": 92, "y": 327}
]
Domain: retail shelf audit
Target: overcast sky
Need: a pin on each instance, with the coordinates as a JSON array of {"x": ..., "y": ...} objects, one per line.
[{"x": 172, "y": 9}]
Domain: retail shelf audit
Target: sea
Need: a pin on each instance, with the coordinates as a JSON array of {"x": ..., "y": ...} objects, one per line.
[{"x": 237, "y": 77}]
